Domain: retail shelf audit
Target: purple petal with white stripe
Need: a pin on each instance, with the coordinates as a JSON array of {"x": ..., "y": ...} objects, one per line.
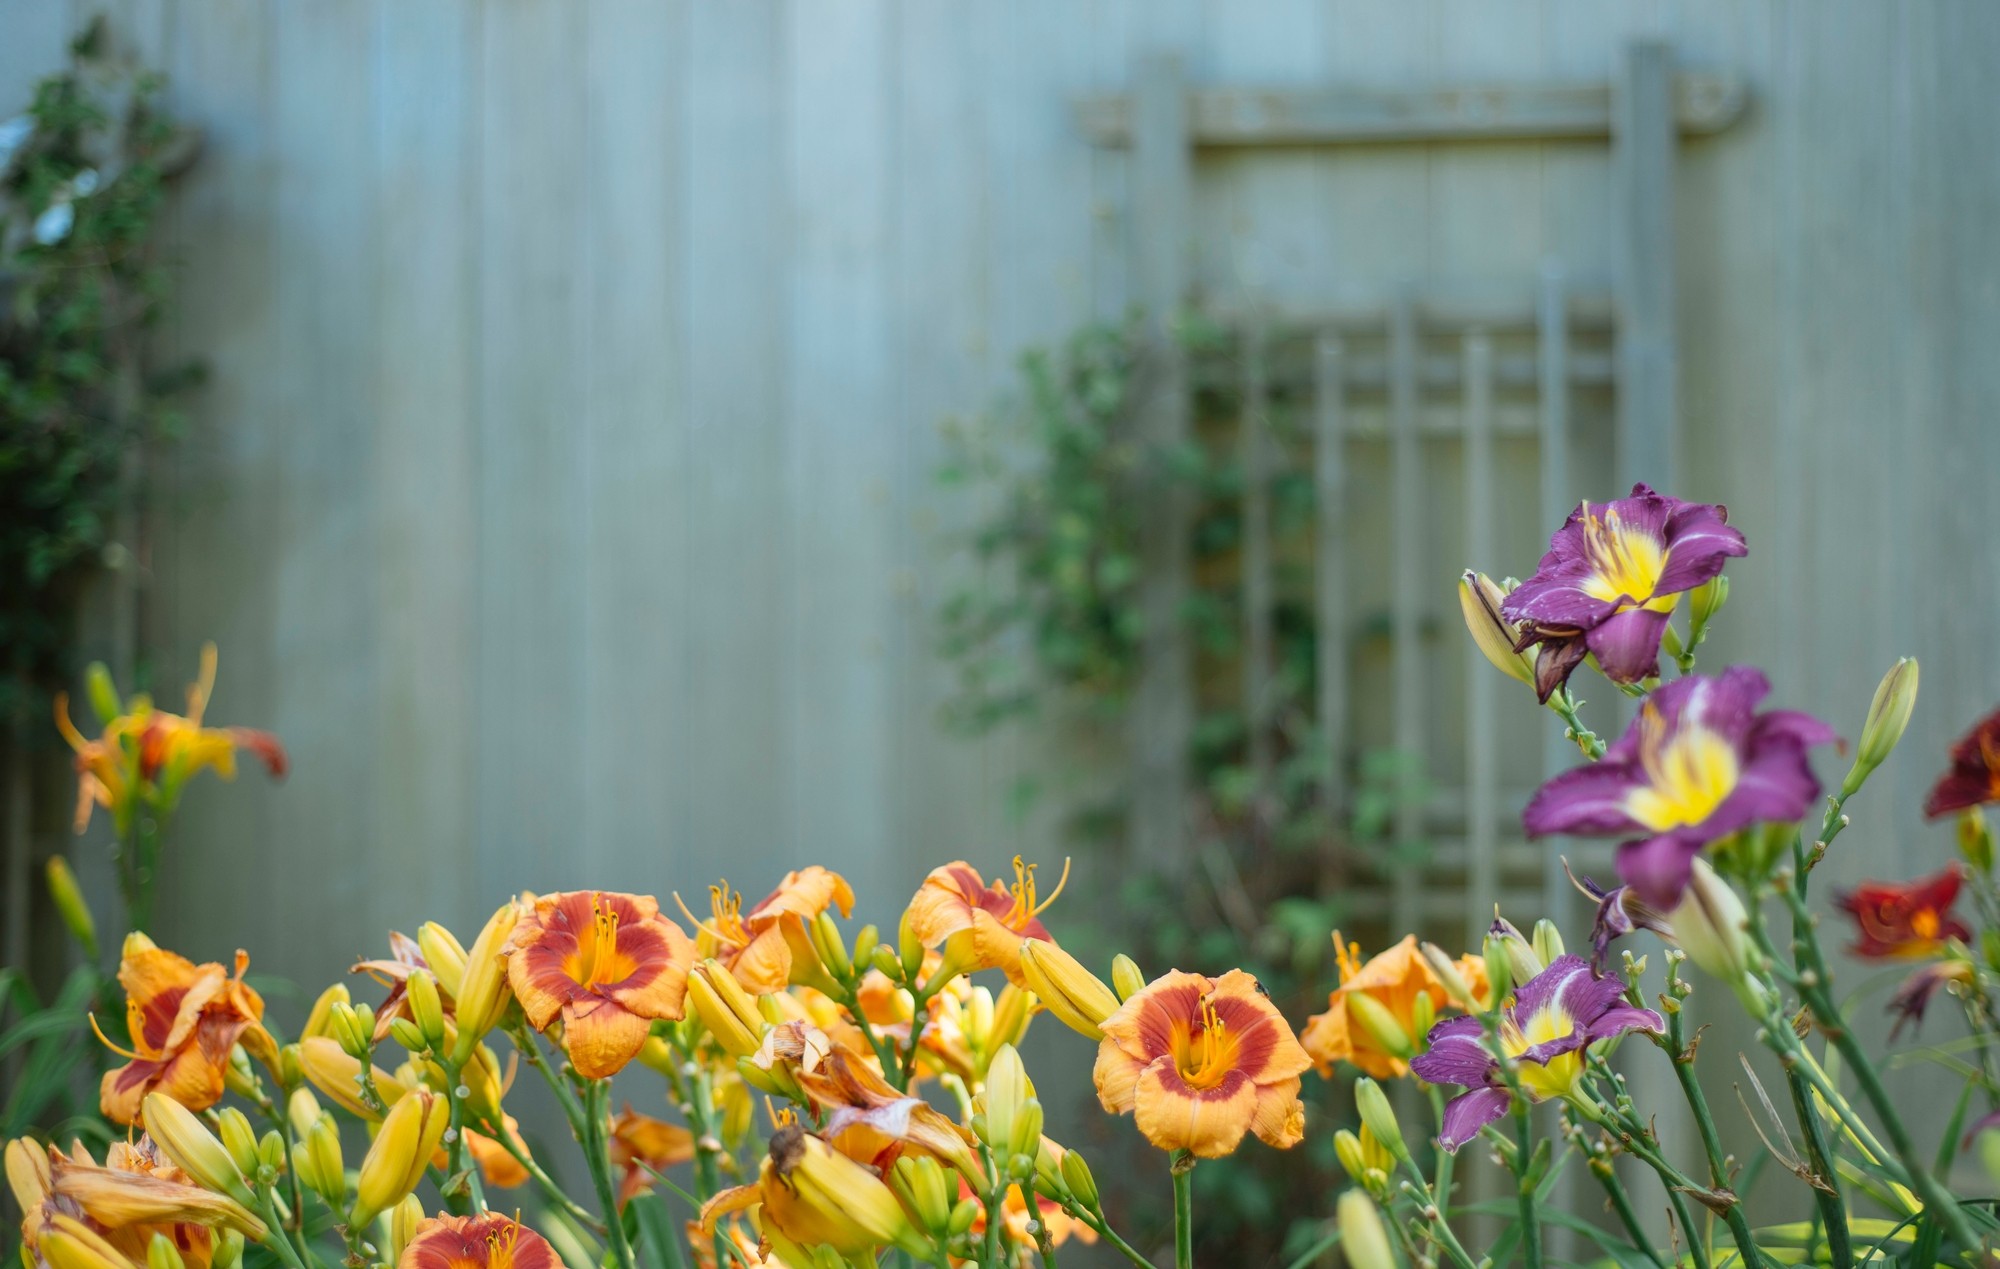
[{"x": 1467, "y": 1113}]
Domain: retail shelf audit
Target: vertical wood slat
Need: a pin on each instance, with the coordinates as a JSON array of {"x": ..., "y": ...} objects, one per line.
[
  {"x": 1253, "y": 439},
  {"x": 1643, "y": 148},
  {"x": 1330, "y": 573},
  {"x": 1482, "y": 740},
  {"x": 1406, "y": 482},
  {"x": 1162, "y": 221},
  {"x": 1552, "y": 366}
]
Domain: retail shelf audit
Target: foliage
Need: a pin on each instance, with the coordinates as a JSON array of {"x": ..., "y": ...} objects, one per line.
[{"x": 82, "y": 181}]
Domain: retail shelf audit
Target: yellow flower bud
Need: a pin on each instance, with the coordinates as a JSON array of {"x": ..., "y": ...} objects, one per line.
[
  {"x": 1522, "y": 962},
  {"x": 354, "y": 1030},
  {"x": 1975, "y": 839},
  {"x": 1380, "y": 1024},
  {"x": 865, "y": 943},
  {"x": 1547, "y": 942},
  {"x": 302, "y": 1111},
  {"x": 1126, "y": 976},
  {"x": 978, "y": 1019},
  {"x": 808, "y": 970},
  {"x": 962, "y": 1216},
  {"x": 844, "y": 1204},
  {"x": 1445, "y": 969},
  {"x": 400, "y": 1153},
  {"x": 1705, "y": 601},
  {"x": 67, "y": 1243},
  {"x": 1012, "y": 1009},
  {"x": 403, "y": 1221},
  {"x": 1378, "y": 1118},
  {"x": 1364, "y": 1243},
  {"x": 337, "y": 1076},
  {"x": 426, "y": 1006},
  {"x": 1077, "y": 1176},
  {"x": 320, "y": 1020},
  {"x": 1027, "y": 1139},
  {"x": 1007, "y": 1091},
  {"x": 737, "y": 1036},
  {"x": 135, "y": 943},
  {"x": 910, "y": 948},
  {"x": 920, "y": 1182},
  {"x": 1479, "y": 602},
  {"x": 320, "y": 1163},
  {"x": 239, "y": 1138},
  {"x": 483, "y": 1083},
  {"x": 1423, "y": 1016},
  {"x": 444, "y": 954},
  {"x": 228, "y": 1252},
  {"x": 885, "y": 959},
  {"x": 1888, "y": 717},
  {"x": 1069, "y": 991},
  {"x": 70, "y": 905},
  {"x": 832, "y": 948},
  {"x": 484, "y": 996},
  {"x": 409, "y": 1035},
  {"x": 271, "y": 1150},
  {"x": 162, "y": 1254},
  {"x": 183, "y": 1138},
  {"x": 27, "y": 1172}
]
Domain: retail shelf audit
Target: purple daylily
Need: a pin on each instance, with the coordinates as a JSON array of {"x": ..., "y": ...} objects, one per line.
[
  {"x": 1554, "y": 1017},
  {"x": 1620, "y": 911},
  {"x": 1697, "y": 764},
  {"x": 1610, "y": 580}
]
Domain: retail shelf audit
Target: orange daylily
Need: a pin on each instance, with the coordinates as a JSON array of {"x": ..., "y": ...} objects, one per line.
[
  {"x": 489, "y": 1241},
  {"x": 184, "y": 1019},
  {"x": 642, "y": 1145},
  {"x": 149, "y": 753},
  {"x": 1202, "y": 1061},
  {"x": 863, "y": 1115},
  {"x": 496, "y": 1163},
  {"x": 1393, "y": 980},
  {"x": 753, "y": 945},
  {"x": 981, "y": 926},
  {"x": 1015, "y": 1214},
  {"x": 608, "y": 965},
  {"x": 135, "y": 1194}
]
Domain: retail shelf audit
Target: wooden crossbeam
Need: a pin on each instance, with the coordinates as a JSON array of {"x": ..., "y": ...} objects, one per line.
[{"x": 1240, "y": 117}]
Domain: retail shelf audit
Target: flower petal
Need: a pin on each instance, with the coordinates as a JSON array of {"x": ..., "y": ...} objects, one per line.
[
  {"x": 1116, "y": 1076},
  {"x": 1627, "y": 645},
  {"x": 1467, "y": 1113},
  {"x": 1209, "y": 1122},
  {"x": 1456, "y": 1054},
  {"x": 1280, "y": 1117},
  {"x": 1587, "y": 799},
  {"x": 1699, "y": 539},
  {"x": 601, "y": 1036},
  {"x": 1657, "y": 868}
]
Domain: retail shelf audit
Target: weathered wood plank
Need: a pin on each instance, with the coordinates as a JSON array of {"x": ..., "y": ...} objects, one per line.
[
  {"x": 1407, "y": 587},
  {"x": 1257, "y": 584},
  {"x": 1222, "y": 117},
  {"x": 1482, "y": 738},
  {"x": 1554, "y": 499},
  {"x": 1648, "y": 356},
  {"x": 1330, "y": 549}
]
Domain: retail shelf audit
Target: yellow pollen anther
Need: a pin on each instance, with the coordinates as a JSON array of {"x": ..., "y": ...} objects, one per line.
[{"x": 1347, "y": 955}]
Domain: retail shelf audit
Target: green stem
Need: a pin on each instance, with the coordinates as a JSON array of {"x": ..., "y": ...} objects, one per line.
[
  {"x": 707, "y": 1145},
  {"x": 1621, "y": 1203},
  {"x": 1183, "y": 1173},
  {"x": 553, "y": 1192},
  {"x": 1103, "y": 1227},
  {"x": 1587, "y": 740},
  {"x": 1718, "y": 1167},
  {"x": 1531, "y": 1219},
  {"x": 597, "y": 1159},
  {"x": 455, "y": 1165},
  {"x": 1832, "y": 1211},
  {"x": 278, "y": 1242},
  {"x": 1634, "y": 1138}
]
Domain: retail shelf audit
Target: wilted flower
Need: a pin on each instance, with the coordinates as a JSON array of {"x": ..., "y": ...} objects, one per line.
[
  {"x": 1913, "y": 997},
  {"x": 1202, "y": 1061},
  {"x": 1620, "y": 911},
  {"x": 753, "y": 945},
  {"x": 405, "y": 957},
  {"x": 1385, "y": 988},
  {"x": 490, "y": 1241},
  {"x": 981, "y": 926},
  {"x": 813, "y": 1194},
  {"x": 134, "y": 1195},
  {"x": 1610, "y": 580},
  {"x": 1546, "y": 1029},
  {"x": 1697, "y": 764},
  {"x": 642, "y": 1145},
  {"x": 183, "y": 1019},
  {"x": 1908, "y": 919},
  {"x": 607, "y": 964},
  {"x": 1974, "y": 777}
]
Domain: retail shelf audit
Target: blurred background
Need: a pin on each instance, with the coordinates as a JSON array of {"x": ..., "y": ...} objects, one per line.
[{"x": 613, "y": 461}]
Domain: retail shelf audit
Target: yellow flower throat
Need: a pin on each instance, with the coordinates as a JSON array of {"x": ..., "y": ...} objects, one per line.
[
  {"x": 1561, "y": 1074},
  {"x": 597, "y": 959},
  {"x": 1689, "y": 772},
  {"x": 1625, "y": 562},
  {"x": 1204, "y": 1060}
]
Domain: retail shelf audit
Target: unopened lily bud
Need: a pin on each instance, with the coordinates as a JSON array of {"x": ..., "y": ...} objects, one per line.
[
  {"x": 338, "y": 1077},
  {"x": 408, "y": 1034},
  {"x": 344, "y": 1025},
  {"x": 403, "y": 1221},
  {"x": 444, "y": 954},
  {"x": 400, "y": 1153},
  {"x": 483, "y": 995},
  {"x": 1126, "y": 977},
  {"x": 228, "y": 1253},
  {"x": 483, "y": 1083},
  {"x": 70, "y": 905},
  {"x": 1423, "y": 1016},
  {"x": 1027, "y": 1138},
  {"x": 1007, "y": 1091},
  {"x": 1709, "y": 925},
  {"x": 1364, "y": 1243},
  {"x": 1347, "y": 1149},
  {"x": 1975, "y": 839},
  {"x": 1479, "y": 602},
  {"x": 963, "y": 1214},
  {"x": 1522, "y": 962},
  {"x": 831, "y": 946},
  {"x": 1076, "y": 1175},
  {"x": 162, "y": 1254},
  {"x": 302, "y": 1111},
  {"x": 1888, "y": 717},
  {"x": 978, "y": 1019},
  {"x": 291, "y": 1073},
  {"x": 271, "y": 1151},
  {"x": 713, "y": 993},
  {"x": 320, "y": 1020},
  {"x": 239, "y": 1138},
  {"x": 1072, "y": 993},
  {"x": 1499, "y": 970},
  {"x": 1380, "y": 1024},
  {"x": 885, "y": 959},
  {"x": 1373, "y": 1104},
  {"x": 920, "y": 1182},
  {"x": 808, "y": 968},
  {"x": 1548, "y": 941},
  {"x": 426, "y": 1006},
  {"x": 239, "y": 1077},
  {"x": 866, "y": 940},
  {"x": 182, "y": 1137},
  {"x": 320, "y": 1163},
  {"x": 1706, "y": 600},
  {"x": 910, "y": 950},
  {"x": 1445, "y": 970},
  {"x": 1012, "y": 1009},
  {"x": 135, "y": 943},
  {"x": 847, "y": 1199},
  {"x": 67, "y": 1243},
  {"x": 103, "y": 693}
]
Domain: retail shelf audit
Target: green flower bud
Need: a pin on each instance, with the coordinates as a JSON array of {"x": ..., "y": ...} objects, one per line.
[
  {"x": 1445, "y": 969},
  {"x": 911, "y": 949},
  {"x": 1373, "y": 1104},
  {"x": 426, "y": 1006},
  {"x": 228, "y": 1252},
  {"x": 239, "y": 1138},
  {"x": 1705, "y": 601},
  {"x": 103, "y": 693},
  {"x": 962, "y": 1215},
  {"x": 865, "y": 943},
  {"x": 1381, "y": 1025},
  {"x": 1522, "y": 962},
  {"x": 407, "y": 1034},
  {"x": 1888, "y": 717},
  {"x": 886, "y": 960},
  {"x": 1126, "y": 977},
  {"x": 1548, "y": 941},
  {"x": 71, "y": 906},
  {"x": 271, "y": 1151},
  {"x": 1027, "y": 1138},
  {"x": 1076, "y": 1175},
  {"x": 832, "y": 948},
  {"x": 162, "y": 1254},
  {"x": 1709, "y": 925}
]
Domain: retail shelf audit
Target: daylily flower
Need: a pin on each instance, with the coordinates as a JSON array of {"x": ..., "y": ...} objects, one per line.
[
  {"x": 1697, "y": 764},
  {"x": 642, "y": 1145},
  {"x": 1913, "y": 997},
  {"x": 1610, "y": 580},
  {"x": 405, "y": 957},
  {"x": 981, "y": 926},
  {"x": 490, "y": 1241},
  {"x": 135, "y": 1194},
  {"x": 1015, "y": 1213},
  {"x": 607, "y": 964},
  {"x": 496, "y": 1163},
  {"x": 148, "y": 754},
  {"x": 1902, "y": 921},
  {"x": 183, "y": 1019},
  {"x": 753, "y": 945},
  {"x": 1552, "y": 1020},
  {"x": 1390, "y": 982},
  {"x": 1974, "y": 777},
  {"x": 1620, "y": 911},
  {"x": 1202, "y": 1061}
]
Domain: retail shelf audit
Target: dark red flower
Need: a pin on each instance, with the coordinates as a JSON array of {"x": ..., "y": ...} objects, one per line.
[
  {"x": 1975, "y": 771},
  {"x": 1904, "y": 921}
]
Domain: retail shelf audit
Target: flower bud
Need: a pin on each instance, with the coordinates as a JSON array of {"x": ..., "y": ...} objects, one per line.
[
  {"x": 842, "y": 1199},
  {"x": 1364, "y": 1244},
  {"x": 162, "y": 1254},
  {"x": 320, "y": 1163},
  {"x": 1126, "y": 977},
  {"x": 67, "y": 1243},
  {"x": 1012, "y": 1009},
  {"x": 1380, "y": 1025},
  {"x": 1499, "y": 974},
  {"x": 1445, "y": 970},
  {"x": 403, "y": 1221},
  {"x": 1378, "y": 1118},
  {"x": 885, "y": 959},
  {"x": 426, "y": 1006},
  {"x": 1888, "y": 717},
  {"x": 832, "y": 948},
  {"x": 1007, "y": 1091},
  {"x": 1479, "y": 601},
  {"x": 103, "y": 693},
  {"x": 400, "y": 1153},
  {"x": 1522, "y": 962},
  {"x": 228, "y": 1253},
  {"x": 920, "y": 1183},
  {"x": 444, "y": 954},
  {"x": 337, "y": 1076},
  {"x": 302, "y": 1111},
  {"x": 808, "y": 967},
  {"x": 135, "y": 943},
  {"x": 1027, "y": 1138},
  {"x": 343, "y": 1023},
  {"x": 866, "y": 940},
  {"x": 1069, "y": 991},
  {"x": 320, "y": 1020},
  {"x": 1347, "y": 1149},
  {"x": 1423, "y": 1016},
  {"x": 962, "y": 1215},
  {"x": 271, "y": 1151},
  {"x": 1076, "y": 1175},
  {"x": 70, "y": 905},
  {"x": 1975, "y": 839},
  {"x": 239, "y": 1138},
  {"x": 725, "y": 1009},
  {"x": 1705, "y": 601},
  {"x": 1709, "y": 925},
  {"x": 483, "y": 1083},
  {"x": 408, "y": 1034},
  {"x": 483, "y": 995},
  {"x": 910, "y": 949},
  {"x": 182, "y": 1137},
  {"x": 1548, "y": 941},
  {"x": 977, "y": 1019},
  {"x": 290, "y": 1072}
]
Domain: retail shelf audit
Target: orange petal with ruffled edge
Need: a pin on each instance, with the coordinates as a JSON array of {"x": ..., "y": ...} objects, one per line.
[
  {"x": 1280, "y": 1118},
  {"x": 491, "y": 1241},
  {"x": 602, "y": 1036},
  {"x": 1209, "y": 1122},
  {"x": 1116, "y": 1076}
]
